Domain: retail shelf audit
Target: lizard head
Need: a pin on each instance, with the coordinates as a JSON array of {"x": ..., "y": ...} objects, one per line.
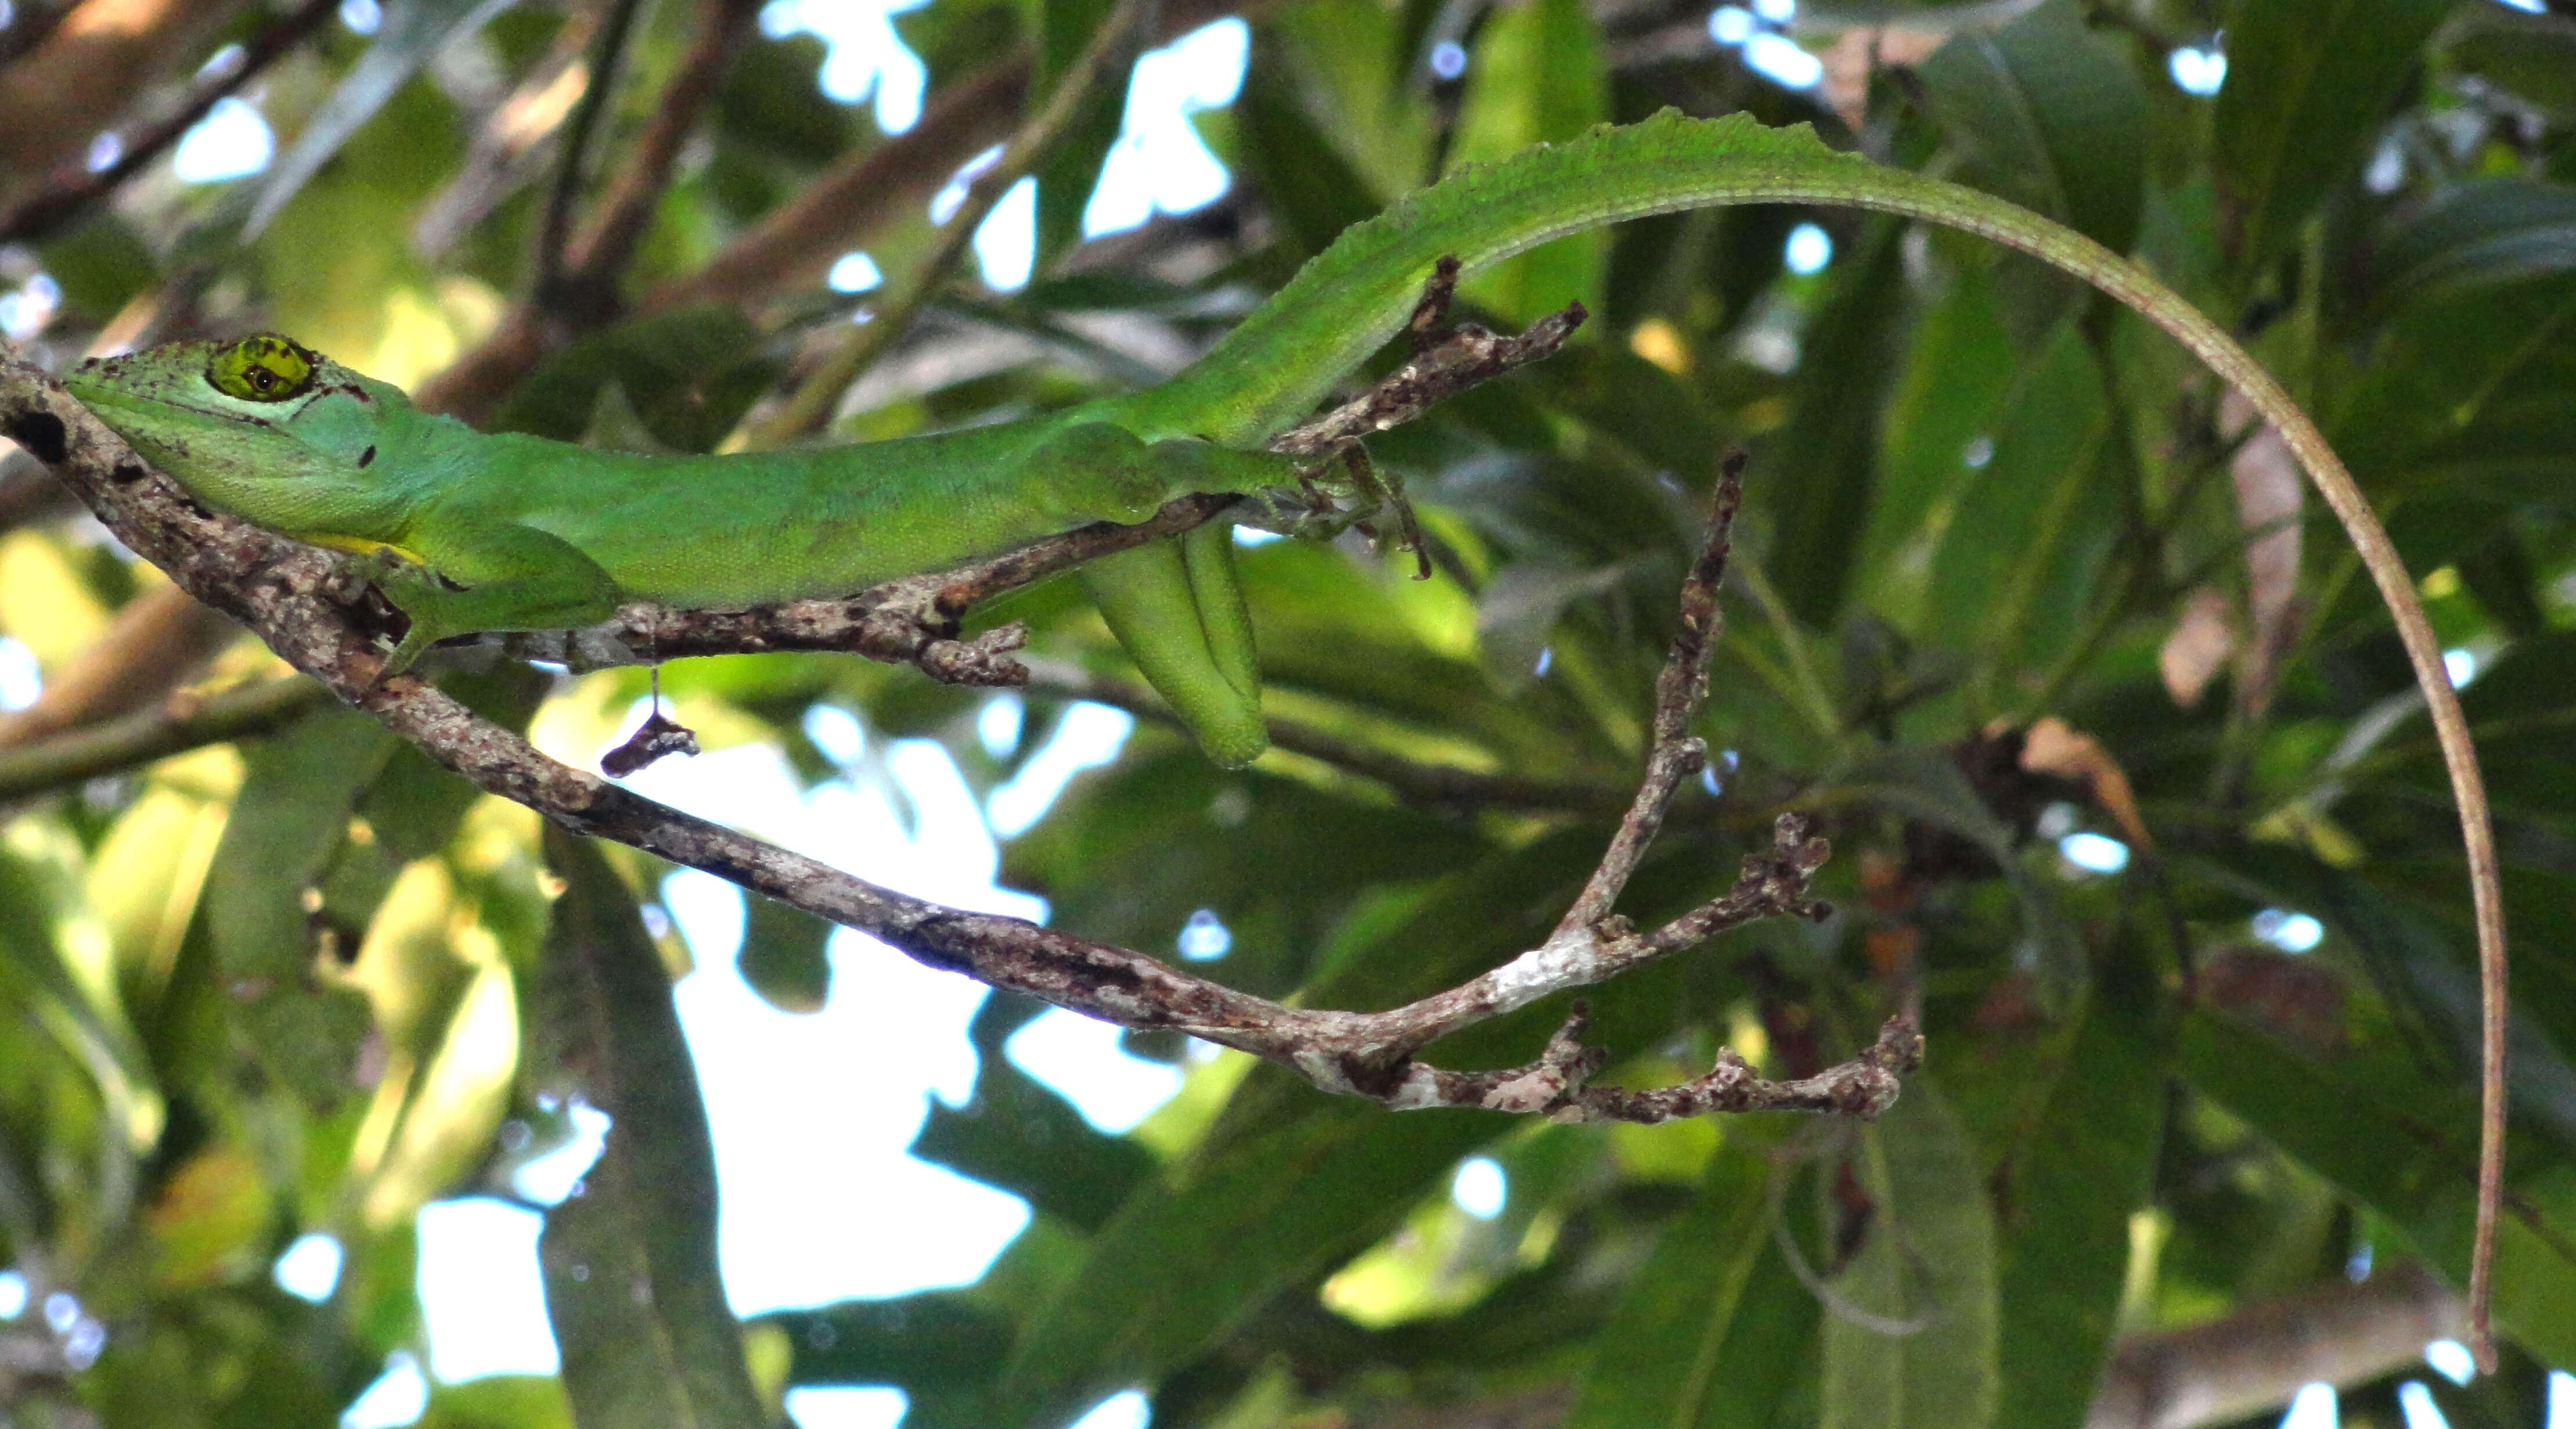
[{"x": 260, "y": 426}]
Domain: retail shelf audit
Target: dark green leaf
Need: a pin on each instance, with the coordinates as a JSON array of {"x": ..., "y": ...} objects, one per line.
[
  {"x": 2018, "y": 561},
  {"x": 1536, "y": 77},
  {"x": 632, "y": 1289},
  {"x": 289, "y": 822},
  {"x": 1821, "y": 474},
  {"x": 2054, "y": 116},
  {"x": 935, "y": 1342},
  {"x": 1926, "y": 1272},
  {"x": 1071, "y": 170},
  {"x": 1022, "y": 1137},
  {"x": 785, "y": 955},
  {"x": 688, "y": 374},
  {"x": 1312, "y": 190},
  {"x": 2308, "y": 86},
  {"x": 2368, "y": 1120},
  {"x": 2482, "y": 232},
  {"x": 2081, "y": 1172},
  {"x": 1716, "y": 1326}
]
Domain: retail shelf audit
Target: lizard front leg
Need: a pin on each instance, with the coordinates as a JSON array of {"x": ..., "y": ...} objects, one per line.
[{"x": 507, "y": 577}]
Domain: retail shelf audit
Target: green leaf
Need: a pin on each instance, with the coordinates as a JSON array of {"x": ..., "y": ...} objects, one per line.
[
  {"x": 1020, "y": 1136},
  {"x": 1715, "y": 1327},
  {"x": 2368, "y": 1120},
  {"x": 1350, "y": 65},
  {"x": 102, "y": 265},
  {"x": 689, "y": 374},
  {"x": 1173, "y": 1269},
  {"x": 1071, "y": 170},
  {"x": 2053, "y": 115},
  {"x": 1276, "y": 860},
  {"x": 2473, "y": 234},
  {"x": 2466, "y": 396},
  {"x": 632, "y": 1289},
  {"x": 1957, "y": 373},
  {"x": 2081, "y": 1171},
  {"x": 2017, "y": 568},
  {"x": 1537, "y": 77},
  {"x": 1820, "y": 475},
  {"x": 1312, "y": 192},
  {"x": 499, "y": 1401},
  {"x": 936, "y": 1342},
  {"x": 1290, "y": 1182},
  {"x": 771, "y": 104},
  {"x": 1927, "y": 1265},
  {"x": 785, "y": 955},
  {"x": 2530, "y": 56},
  {"x": 2309, "y": 83},
  {"x": 289, "y": 822}
]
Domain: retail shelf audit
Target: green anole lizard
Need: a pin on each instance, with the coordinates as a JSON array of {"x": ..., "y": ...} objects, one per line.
[{"x": 466, "y": 532}]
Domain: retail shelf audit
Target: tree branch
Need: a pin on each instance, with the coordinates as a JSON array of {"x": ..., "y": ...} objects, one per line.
[
  {"x": 49, "y": 210},
  {"x": 2255, "y": 1359},
  {"x": 157, "y": 641},
  {"x": 281, "y": 590},
  {"x": 182, "y": 722},
  {"x": 97, "y": 54},
  {"x": 600, "y": 252}
]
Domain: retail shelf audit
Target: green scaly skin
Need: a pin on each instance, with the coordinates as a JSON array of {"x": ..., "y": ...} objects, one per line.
[{"x": 471, "y": 532}]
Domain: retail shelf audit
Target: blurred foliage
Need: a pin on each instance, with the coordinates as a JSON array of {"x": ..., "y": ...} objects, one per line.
[{"x": 309, "y": 983}]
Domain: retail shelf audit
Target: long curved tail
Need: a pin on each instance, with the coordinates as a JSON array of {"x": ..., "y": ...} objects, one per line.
[{"x": 1282, "y": 359}]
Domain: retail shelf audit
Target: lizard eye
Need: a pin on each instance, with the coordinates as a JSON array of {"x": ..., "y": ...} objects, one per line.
[{"x": 266, "y": 368}]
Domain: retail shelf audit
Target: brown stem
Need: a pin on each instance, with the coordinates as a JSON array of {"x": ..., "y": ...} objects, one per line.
[
  {"x": 1679, "y": 692},
  {"x": 2254, "y": 1360},
  {"x": 554, "y": 232},
  {"x": 607, "y": 243},
  {"x": 158, "y": 640}
]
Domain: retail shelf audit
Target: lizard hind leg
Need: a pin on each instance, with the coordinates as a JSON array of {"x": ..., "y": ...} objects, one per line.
[{"x": 1180, "y": 616}]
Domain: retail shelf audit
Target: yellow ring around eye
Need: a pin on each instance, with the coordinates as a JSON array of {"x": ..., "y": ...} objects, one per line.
[{"x": 265, "y": 368}]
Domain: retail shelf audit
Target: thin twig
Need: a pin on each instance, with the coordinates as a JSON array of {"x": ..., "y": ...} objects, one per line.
[
  {"x": 607, "y": 242},
  {"x": 183, "y": 722},
  {"x": 1679, "y": 692},
  {"x": 810, "y": 407},
  {"x": 554, "y": 234},
  {"x": 49, "y": 210}
]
